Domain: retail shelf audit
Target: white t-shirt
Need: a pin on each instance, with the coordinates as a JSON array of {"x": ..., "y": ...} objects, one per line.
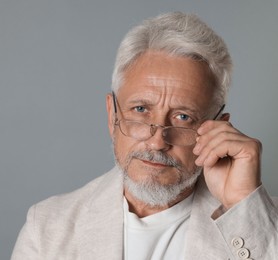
[{"x": 158, "y": 236}]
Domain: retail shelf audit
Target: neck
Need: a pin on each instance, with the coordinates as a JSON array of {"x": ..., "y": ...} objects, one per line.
[{"x": 142, "y": 209}]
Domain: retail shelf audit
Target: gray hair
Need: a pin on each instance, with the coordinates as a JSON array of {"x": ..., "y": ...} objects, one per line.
[{"x": 178, "y": 34}]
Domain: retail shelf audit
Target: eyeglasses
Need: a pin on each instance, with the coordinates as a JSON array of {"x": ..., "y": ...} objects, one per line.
[{"x": 171, "y": 135}]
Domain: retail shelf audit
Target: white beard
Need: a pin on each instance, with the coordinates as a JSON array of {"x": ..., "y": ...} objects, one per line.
[
  {"x": 155, "y": 194},
  {"x": 150, "y": 191}
]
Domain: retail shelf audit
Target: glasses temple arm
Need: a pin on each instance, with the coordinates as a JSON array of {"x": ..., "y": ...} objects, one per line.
[
  {"x": 114, "y": 102},
  {"x": 220, "y": 111}
]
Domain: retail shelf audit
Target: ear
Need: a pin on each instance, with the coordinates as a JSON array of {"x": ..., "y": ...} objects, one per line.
[
  {"x": 225, "y": 117},
  {"x": 110, "y": 113}
]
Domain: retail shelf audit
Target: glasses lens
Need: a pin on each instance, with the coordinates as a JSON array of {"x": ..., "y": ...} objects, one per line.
[
  {"x": 171, "y": 135},
  {"x": 179, "y": 136},
  {"x": 136, "y": 130}
]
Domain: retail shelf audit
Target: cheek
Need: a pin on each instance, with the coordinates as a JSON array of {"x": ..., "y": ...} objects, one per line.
[
  {"x": 122, "y": 146},
  {"x": 186, "y": 157}
]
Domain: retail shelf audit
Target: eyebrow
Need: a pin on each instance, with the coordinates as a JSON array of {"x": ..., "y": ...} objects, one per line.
[
  {"x": 150, "y": 102},
  {"x": 144, "y": 101}
]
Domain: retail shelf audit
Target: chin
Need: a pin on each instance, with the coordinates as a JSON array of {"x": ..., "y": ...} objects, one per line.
[{"x": 155, "y": 193}]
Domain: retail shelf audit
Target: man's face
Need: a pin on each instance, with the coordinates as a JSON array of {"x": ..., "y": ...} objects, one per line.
[{"x": 163, "y": 90}]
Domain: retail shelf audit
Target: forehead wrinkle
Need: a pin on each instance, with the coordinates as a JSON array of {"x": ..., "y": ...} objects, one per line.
[
  {"x": 164, "y": 81},
  {"x": 148, "y": 98},
  {"x": 165, "y": 87},
  {"x": 169, "y": 84}
]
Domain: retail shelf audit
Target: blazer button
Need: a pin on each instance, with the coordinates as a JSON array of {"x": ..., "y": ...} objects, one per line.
[
  {"x": 237, "y": 242},
  {"x": 243, "y": 253}
]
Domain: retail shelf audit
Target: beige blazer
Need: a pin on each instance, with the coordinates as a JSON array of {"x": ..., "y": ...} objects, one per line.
[{"x": 88, "y": 224}]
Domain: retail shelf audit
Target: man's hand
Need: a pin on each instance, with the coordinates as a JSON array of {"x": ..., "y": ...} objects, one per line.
[{"x": 230, "y": 159}]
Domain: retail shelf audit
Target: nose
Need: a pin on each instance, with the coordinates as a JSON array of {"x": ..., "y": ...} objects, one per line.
[{"x": 156, "y": 141}]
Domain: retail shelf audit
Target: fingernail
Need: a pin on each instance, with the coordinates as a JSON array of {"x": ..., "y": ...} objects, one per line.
[
  {"x": 196, "y": 148},
  {"x": 199, "y": 130},
  {"x": 197, "y": 162}
]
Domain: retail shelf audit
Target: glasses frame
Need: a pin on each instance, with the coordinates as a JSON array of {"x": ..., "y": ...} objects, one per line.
[{"x": 153, "y": 127}]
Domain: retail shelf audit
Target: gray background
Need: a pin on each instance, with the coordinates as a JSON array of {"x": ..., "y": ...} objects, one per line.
[{"x": 56, "y": 60}]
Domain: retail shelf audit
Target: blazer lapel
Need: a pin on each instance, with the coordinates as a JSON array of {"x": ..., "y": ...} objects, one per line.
[{"x": 101, "y": 229}]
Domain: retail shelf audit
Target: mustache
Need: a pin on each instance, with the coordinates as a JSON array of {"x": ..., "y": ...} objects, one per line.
[{"x": 155, "y": 157}]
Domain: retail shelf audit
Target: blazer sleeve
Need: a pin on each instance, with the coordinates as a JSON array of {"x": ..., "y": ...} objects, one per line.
[
  {"x": 250, "y": 228},
  {"x": 27, "y": 244}
]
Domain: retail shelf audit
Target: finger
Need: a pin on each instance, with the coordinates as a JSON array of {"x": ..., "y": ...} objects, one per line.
[
  {"x": 236, "y": 148},
  {"x": 215, "y": 137},
  {"x": 211, "y": 155},
  {"x": 210, "y": 125}
]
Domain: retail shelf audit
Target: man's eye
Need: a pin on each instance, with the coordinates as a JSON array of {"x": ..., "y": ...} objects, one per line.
[
  {"x": 183, "y": 117},
  {"x": 140, "y": 109}
]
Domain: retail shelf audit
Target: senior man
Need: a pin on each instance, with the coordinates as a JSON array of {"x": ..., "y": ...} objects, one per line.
[{"x": 186, "y": 184}]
